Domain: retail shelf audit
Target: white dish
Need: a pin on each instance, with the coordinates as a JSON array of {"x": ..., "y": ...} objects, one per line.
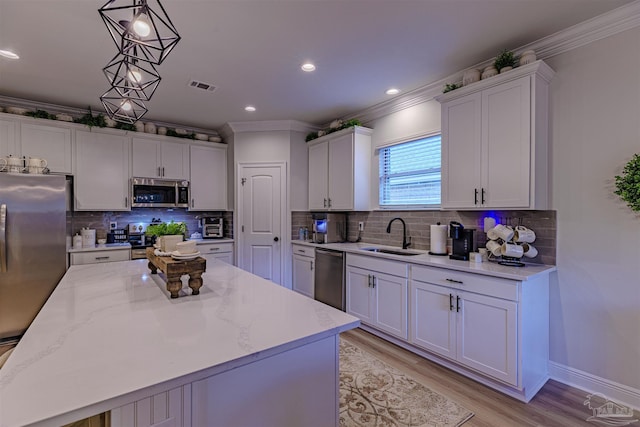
[{"x": 182, "y": 257}]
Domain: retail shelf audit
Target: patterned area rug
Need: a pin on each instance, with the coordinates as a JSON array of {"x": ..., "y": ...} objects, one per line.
[{"x": 374, "y": 394}]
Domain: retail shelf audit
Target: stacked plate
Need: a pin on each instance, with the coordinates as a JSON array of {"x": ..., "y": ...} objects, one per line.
[{"x": 184, "y": 257}]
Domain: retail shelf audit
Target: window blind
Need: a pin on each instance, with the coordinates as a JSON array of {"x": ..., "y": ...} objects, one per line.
[{"x": 410, "y": 173}]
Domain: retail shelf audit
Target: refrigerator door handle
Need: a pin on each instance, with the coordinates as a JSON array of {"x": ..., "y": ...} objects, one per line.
[{"x": 3, "y": 238}]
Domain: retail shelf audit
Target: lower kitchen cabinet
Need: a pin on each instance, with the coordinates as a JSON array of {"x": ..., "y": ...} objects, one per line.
[
  {"x": 222, "y": 251},
  {"x": 98, "y": 256},
  {"x": 476, "y": 330},
  {"x": 303, "y": 270},
  {"x": 377, "y": 293}
]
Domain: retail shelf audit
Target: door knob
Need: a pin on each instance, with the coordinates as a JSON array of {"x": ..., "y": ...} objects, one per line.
[{"x": 275, "y": 239}]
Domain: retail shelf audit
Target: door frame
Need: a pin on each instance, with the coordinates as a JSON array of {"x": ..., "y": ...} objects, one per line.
[{"x": 285, "y": 219}]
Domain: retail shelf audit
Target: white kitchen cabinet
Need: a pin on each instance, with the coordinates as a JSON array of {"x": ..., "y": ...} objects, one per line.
[
  {"x": 495, "y": 141},
  {"x": 8, "y": 136},
  {"x": 208, "y": 177},
  {"x": 101, "y": 169},
  {"x": 339, "y": 169},
  {"x": 47, "y": 142},
  {"x": 303, "y": 269},
  {"x": 100, "y": 256},
  {"x": 377, "y": 293},
  {"x": 24, "y": 137},
  {"x": 210, "y": 250},
  {"x": 152, "y": 158}
]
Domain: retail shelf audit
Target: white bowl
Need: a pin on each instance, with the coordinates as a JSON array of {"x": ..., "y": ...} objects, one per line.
[
  {"x": 102, "y": 241},
  {"x": 186, "y": 247},
  {"x": 16, "y": 110},
  {"x": 201, "y": 136}
]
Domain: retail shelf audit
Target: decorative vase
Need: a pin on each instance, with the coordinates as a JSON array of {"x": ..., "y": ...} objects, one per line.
[
  {"x": 490, "y": 71},
  {"x": 470, "y": 76},
  {"x": 110, "y": 122},
  {"x": 149, "y": 127},
  {"x": 528, "y": 56},
  {"x": 505, "y": 69},
  {"x": 168, "y": 243},
  {"x": 162, "y": 130},
  {"x": 139, "y": 126}
]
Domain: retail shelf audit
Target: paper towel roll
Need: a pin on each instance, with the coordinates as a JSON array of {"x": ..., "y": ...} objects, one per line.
[{"x": 438, "y": 239}]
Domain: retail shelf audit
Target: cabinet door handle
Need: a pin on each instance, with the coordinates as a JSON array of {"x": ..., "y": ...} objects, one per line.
[
  {"x": 159, "y": 173},
  {"x": 457, "y": 303},
  {"x": 301, "y": 251},
  {"x": 325, "y": 203},
  {"x": 475, "y": 196},
  {"x": 369, "y": 278},
  {"x": 450, "y": 302},
  {"x": 214, "y": 249},
  {"x": 374, "y": 281},
  {"x": 482, "y": 198},
  {"x": 311, "y": 265},
  {"x": 329, "y": 201},
  {"x": 193, "y": 202},
  {"x": 454, "y": 281},
  {"x": 126, "y": 202},
  {"x": 98, "y": 258},
  {"x": 163, "y": 171},
  {"x": 3, "y": 238}
]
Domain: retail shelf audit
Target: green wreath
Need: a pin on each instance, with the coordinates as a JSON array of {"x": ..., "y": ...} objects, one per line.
[{"x": 628, "y": 184}]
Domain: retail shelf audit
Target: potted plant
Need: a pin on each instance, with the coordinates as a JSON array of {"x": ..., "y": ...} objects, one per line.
[
  {"x": 167, "y": 234},
  {"x": 505, "y": 61},
  {"x": 90, "y": 120},
  {"x": 628, "y": 184},
  {"x": 449, "y": 87}
]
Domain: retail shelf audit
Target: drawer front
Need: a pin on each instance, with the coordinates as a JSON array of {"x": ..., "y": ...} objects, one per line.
[
  {"x": 214, "y": 248},
  {"x": 98, "y": 257},
  {"x": 374, "y": 263},
  {"x": 303, "y": 250},
  {"x": 479, "y": 284}
]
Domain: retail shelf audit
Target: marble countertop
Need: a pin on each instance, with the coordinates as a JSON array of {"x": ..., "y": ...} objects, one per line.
[
  {"x": 110, "y": 333},
  {"x": 104, "y": 247},
  {"x": 494, "y": 269}
]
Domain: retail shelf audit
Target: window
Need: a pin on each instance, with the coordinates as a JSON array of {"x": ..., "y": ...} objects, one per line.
[{"x": 410, "y": 174}]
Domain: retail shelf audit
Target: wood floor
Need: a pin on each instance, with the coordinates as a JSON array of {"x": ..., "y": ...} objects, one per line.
[{"x": 556, "y": 405}]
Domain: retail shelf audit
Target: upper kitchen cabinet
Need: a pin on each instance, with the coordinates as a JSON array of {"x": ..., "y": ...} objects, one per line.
[
  {"x": 208, "y": 177},
  {"x": 24, "y": 137},
  {"x": 339, "y": 171},
  {"x": 101, "y": 169},
  {"x": 494, "y": 141},
  {"x": 152, "y": 158}
]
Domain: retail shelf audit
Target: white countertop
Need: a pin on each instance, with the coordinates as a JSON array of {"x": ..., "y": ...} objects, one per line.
[
  {"x": 110, "y": 330},
  {"x": 104, "y": 247},
  {"x": 494, "y": 269}
]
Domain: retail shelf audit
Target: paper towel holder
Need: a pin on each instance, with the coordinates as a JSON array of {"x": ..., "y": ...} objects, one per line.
[{"x": 445, "y": 245}]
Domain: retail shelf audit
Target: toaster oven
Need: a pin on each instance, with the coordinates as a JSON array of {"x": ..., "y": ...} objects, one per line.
[{"x": 212, "y": 228}]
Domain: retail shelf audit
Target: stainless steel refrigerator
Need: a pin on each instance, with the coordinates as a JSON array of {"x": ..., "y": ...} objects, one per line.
[{"x": 32, "y": 247}]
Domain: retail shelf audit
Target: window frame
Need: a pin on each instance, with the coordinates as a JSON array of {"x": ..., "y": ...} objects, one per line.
[{"x": 413, "y": 138}]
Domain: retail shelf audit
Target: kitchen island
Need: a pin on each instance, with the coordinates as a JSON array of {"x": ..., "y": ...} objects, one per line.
[{"x": 245, "y": 351}]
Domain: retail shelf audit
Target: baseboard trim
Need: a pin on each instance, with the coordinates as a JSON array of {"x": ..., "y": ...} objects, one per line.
[{"x": 617, "y": 392}]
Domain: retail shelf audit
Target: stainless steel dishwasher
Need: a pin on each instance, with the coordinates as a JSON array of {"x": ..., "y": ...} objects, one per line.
[{"x": 329, "y": 278}]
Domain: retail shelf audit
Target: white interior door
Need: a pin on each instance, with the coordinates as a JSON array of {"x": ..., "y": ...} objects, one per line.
[{"x": 261, "y": 210}]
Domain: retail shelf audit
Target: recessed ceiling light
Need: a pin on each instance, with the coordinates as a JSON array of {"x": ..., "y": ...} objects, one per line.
[
  {"x": 250, "y": 108},
  {"x": 392, "y": 91},
  {"x": 308, "y": 67},
  {"x": 8, "y": 54}
]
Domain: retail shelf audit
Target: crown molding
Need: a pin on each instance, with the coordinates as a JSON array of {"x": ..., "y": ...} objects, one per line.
[
  {"x": 270, "y": 126},
  {"x": 608, "y": 24}
]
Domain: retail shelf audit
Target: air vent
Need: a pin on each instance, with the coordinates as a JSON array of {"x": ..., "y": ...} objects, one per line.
[{"x": 202, "y": 85}]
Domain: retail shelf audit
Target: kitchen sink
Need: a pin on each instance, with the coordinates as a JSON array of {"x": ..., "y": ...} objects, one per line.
[{"x": 391, "y": 251}]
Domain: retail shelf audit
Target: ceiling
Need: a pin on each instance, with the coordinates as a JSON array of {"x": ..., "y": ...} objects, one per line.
[{"x": 251, "y": 50}]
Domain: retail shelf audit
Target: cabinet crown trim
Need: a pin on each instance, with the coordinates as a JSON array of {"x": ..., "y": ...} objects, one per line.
[
  {"x": 355, "y": 129},
  {"x": 539, "y": 68}
]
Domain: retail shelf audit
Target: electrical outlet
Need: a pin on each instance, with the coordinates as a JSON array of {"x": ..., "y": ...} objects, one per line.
[
  {"x": 360, "y": 226},
  {"x": 113, "y": 225}
]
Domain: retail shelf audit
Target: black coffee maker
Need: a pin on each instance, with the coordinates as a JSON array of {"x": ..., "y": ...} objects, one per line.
[{"x": 463, "y": 240}]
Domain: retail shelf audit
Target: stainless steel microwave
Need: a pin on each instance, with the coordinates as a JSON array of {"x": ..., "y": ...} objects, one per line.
[{"x": 159, "y": 193}]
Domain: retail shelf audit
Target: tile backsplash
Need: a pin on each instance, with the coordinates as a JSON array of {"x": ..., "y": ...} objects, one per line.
[
  {"x": 100, "y": 220},
  {"x": 418, "y": 227}
]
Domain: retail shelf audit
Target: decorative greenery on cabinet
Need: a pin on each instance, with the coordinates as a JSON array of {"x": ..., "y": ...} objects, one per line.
[{"x": 628, "y": 184}]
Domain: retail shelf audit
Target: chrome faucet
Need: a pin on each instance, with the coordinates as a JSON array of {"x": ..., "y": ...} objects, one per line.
[{"x": 405, "y": 244}]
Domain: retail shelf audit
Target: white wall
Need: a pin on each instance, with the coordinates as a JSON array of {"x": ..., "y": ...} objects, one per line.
[
  {"x": 595, "y": 129},
  {"x": 299, "y": 172}
]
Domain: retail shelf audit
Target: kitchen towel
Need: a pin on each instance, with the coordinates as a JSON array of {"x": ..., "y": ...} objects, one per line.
[{"x": 438, "y": 239}]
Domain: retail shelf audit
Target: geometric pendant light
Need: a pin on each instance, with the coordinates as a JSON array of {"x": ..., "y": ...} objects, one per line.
[
  {"x": 132, "y": 78},
  {"x": 140, "y": 31},
  {"x": 125, "y": 109}
]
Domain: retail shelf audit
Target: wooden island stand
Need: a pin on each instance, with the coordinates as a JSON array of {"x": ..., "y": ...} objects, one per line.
[{"x": 174, "y": 269}]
